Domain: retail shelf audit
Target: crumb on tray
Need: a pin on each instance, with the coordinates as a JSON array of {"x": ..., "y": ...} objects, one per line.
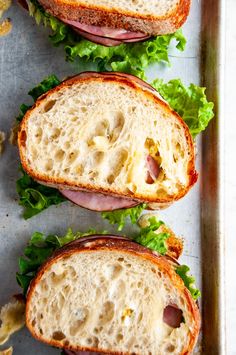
[{"x": 2, "y": 140}]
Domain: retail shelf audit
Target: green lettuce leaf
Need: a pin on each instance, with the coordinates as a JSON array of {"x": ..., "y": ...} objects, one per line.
[
  {"x": 189, "y": 280},
  {"x": 121, "y": 216},
  {"x": 39, "y": 249},
  {"x": 190, "y": 103},
  {"x": 35, "y": 197},
  {"x": 48, "y": 83},
  {"x": 128, "y": 58},
  {"x": 149, "y": 238}
]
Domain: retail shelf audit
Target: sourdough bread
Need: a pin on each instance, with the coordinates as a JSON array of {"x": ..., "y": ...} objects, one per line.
[
  {"x": 152, "y": 17},
  {"x": 110, "y": 295},
  {"x": 95, "y": 132}
]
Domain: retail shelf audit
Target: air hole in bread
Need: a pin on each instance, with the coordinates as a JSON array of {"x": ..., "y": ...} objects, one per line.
[
  {"x": 92, "y": 341},
  {"x": 113, "y": 271},
  {"x": 170, "y": 348},
  {"x": 140, "y": 317},
  {"x": 107, "y": 313},
  {"x": 59, "y": 155},
  {"x": 75, "y": 327},
  {"x": 79, "y": 169},
  {"x": 98, "y": 157},
  {"x": 67, "y": 145},
  {"x": 119, "y": 337},
  {"x": 72, "y": 157},
  {"x": 57, "y": 279},
  {"x": 117, "y": 162},
  {"x": 140, "y": 284},
  {"x": 49, "y": 105},
  {"x": 33, "y": 322},
  {"x": 49, "y": 165},
  {"x": 55, "y": 133},
  {"x": 58, "y": 335},
  {"x": 118, "y": 124},
  {"x": 38, "y": 135},
  {"x": 111, "y": 179}
]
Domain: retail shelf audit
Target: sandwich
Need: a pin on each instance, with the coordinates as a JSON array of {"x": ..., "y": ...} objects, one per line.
[
  {"x": 109, "y": 118},
  {"x": 108, "y": 141},
  {"x": 109, "y": 294},
  {"x": 119, "y": 21},
  {"x": 87, "y": 28}
]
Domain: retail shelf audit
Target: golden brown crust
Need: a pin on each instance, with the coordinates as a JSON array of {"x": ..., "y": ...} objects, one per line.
[
  {"x": 102, "y": 16},
  {"x": 116, "y": 243},
  {"x": 65, "y": 184}
]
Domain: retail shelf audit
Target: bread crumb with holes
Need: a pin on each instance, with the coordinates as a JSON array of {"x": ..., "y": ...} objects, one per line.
[{"x": 2, "y": 140}]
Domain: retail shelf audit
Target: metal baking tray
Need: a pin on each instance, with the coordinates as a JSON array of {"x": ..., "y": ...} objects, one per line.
[{"x": 26, "y": 57}]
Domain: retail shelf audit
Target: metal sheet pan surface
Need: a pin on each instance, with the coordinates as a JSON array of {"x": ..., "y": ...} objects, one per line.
[{"x": 26, "y": 57}]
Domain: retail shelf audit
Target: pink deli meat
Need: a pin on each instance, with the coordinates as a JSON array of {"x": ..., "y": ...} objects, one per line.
[
  {"x": 105, "y": 35},
  {"x": 97, "y": 201}
]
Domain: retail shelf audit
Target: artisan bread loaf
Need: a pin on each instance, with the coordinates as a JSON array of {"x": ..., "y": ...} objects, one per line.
[
  {"x": 150, "y": 17},
  {"x": 98, "y": 132},
  {"x": 108, "y": 294}
]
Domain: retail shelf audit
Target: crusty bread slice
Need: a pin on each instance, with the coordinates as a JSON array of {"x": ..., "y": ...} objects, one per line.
[
  {"x": 153, "y": 17},
  {"x": 110, "y": 295},
  {"x": 95, "y": 131}
]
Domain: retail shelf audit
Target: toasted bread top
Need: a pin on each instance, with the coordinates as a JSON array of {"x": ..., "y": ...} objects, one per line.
[
  {"x": 80, "y": 269},
  {"x": 95, "y": 132},
  {"x": 150, "y": 17}
]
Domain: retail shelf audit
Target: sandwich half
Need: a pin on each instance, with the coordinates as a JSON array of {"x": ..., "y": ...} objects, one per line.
[
  {"x": 114, "y": 22},
  {"x": 108, "y": 141},
  {"x": 108, "y": 294}
]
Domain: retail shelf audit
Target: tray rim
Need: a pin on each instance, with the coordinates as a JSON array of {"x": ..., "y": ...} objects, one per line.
[{"x": 213, "y": 158}]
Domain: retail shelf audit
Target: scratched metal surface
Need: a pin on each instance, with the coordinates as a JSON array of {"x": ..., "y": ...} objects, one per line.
[{"x": 26, "y": 56}]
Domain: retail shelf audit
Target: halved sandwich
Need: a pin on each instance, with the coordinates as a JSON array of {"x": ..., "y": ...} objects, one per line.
[
  {"x": 108, "y": 141},
  {"x": 87, "y": 28},
  {"x": 111, "y": 295},
  {"x": 119, "y": 21}
]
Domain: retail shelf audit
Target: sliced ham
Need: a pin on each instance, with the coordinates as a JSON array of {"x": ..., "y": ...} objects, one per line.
[
  {"x": 113, "y": 33},
  {"x": 108, "y": 42},
  {"x": 68, "y": 352},
  {"x": 173, "y": 316},
  {"x": 104, "y": 35},
  {"x": 97, "y": 201},
  {"x": 24, "y": 4},
  {"x": 153, "y": 169}
]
